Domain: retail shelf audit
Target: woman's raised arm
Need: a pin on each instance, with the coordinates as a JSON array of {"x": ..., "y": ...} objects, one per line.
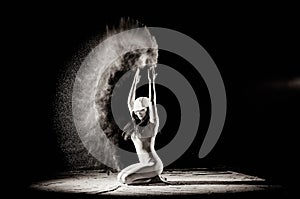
[
  {"x": 152, "y": 96},
  {"x": 131, "y": 96}
]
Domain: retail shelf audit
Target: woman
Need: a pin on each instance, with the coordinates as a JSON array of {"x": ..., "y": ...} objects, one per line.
[{"x": 143, "y": 112}]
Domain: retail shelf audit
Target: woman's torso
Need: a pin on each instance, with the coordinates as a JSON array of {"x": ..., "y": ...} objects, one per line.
[{"x": 144, "y": 140}]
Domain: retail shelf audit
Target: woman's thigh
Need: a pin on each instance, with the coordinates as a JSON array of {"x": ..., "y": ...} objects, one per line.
[{"x": 129, "y": 168}]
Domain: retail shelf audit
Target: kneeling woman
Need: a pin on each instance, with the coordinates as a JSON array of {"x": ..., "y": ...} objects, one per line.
[{"x": 143, "y": 112}]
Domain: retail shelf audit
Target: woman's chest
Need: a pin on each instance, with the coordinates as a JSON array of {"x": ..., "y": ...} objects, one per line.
[{"x": 145, "y": 132}]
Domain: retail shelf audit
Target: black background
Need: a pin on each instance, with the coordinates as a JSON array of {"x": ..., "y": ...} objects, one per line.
[{"x": 255, "y": 48}]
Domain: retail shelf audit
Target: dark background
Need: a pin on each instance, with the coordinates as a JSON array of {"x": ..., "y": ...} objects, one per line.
[{"x": 255, "y": 49}]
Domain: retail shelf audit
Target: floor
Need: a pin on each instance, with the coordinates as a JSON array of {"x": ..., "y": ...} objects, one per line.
[{"x": 183, "y": 183}]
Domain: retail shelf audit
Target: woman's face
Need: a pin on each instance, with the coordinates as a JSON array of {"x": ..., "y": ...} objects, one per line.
[{"x": 141, "y": 113}]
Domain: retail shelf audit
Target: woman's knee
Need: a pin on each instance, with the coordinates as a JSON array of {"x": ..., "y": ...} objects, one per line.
[
  {"x": 124, "y": 178},
  {"x": 119, "y": 177}
]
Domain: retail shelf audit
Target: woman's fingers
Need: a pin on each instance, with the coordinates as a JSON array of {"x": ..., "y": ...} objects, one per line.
[
  {"x": 137, "y": 78},
  {"x": 137, "y": 72},
  {"x": 153, "y": 73},
  {"x": 137, "y": 75}
]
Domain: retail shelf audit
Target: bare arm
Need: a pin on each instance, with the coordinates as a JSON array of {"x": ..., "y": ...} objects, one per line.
[
  {"x": 152, "y": 96},
  {"x": 131, "y": 96}
]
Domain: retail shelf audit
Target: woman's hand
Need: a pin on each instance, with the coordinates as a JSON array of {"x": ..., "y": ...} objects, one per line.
[
  {"x": 137, "y": 76},
  {"x": 151, "y": 73}
]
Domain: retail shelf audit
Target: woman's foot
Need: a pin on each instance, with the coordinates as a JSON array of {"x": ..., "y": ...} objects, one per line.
[
  {"x": 158, "y": 179},
  {"x": 155, "y": 180}
]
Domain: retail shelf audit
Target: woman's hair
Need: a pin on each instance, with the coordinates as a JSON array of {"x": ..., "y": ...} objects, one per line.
[
  {"x": 130, "y": 127},
  {"x": 143, "y": 122}
]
